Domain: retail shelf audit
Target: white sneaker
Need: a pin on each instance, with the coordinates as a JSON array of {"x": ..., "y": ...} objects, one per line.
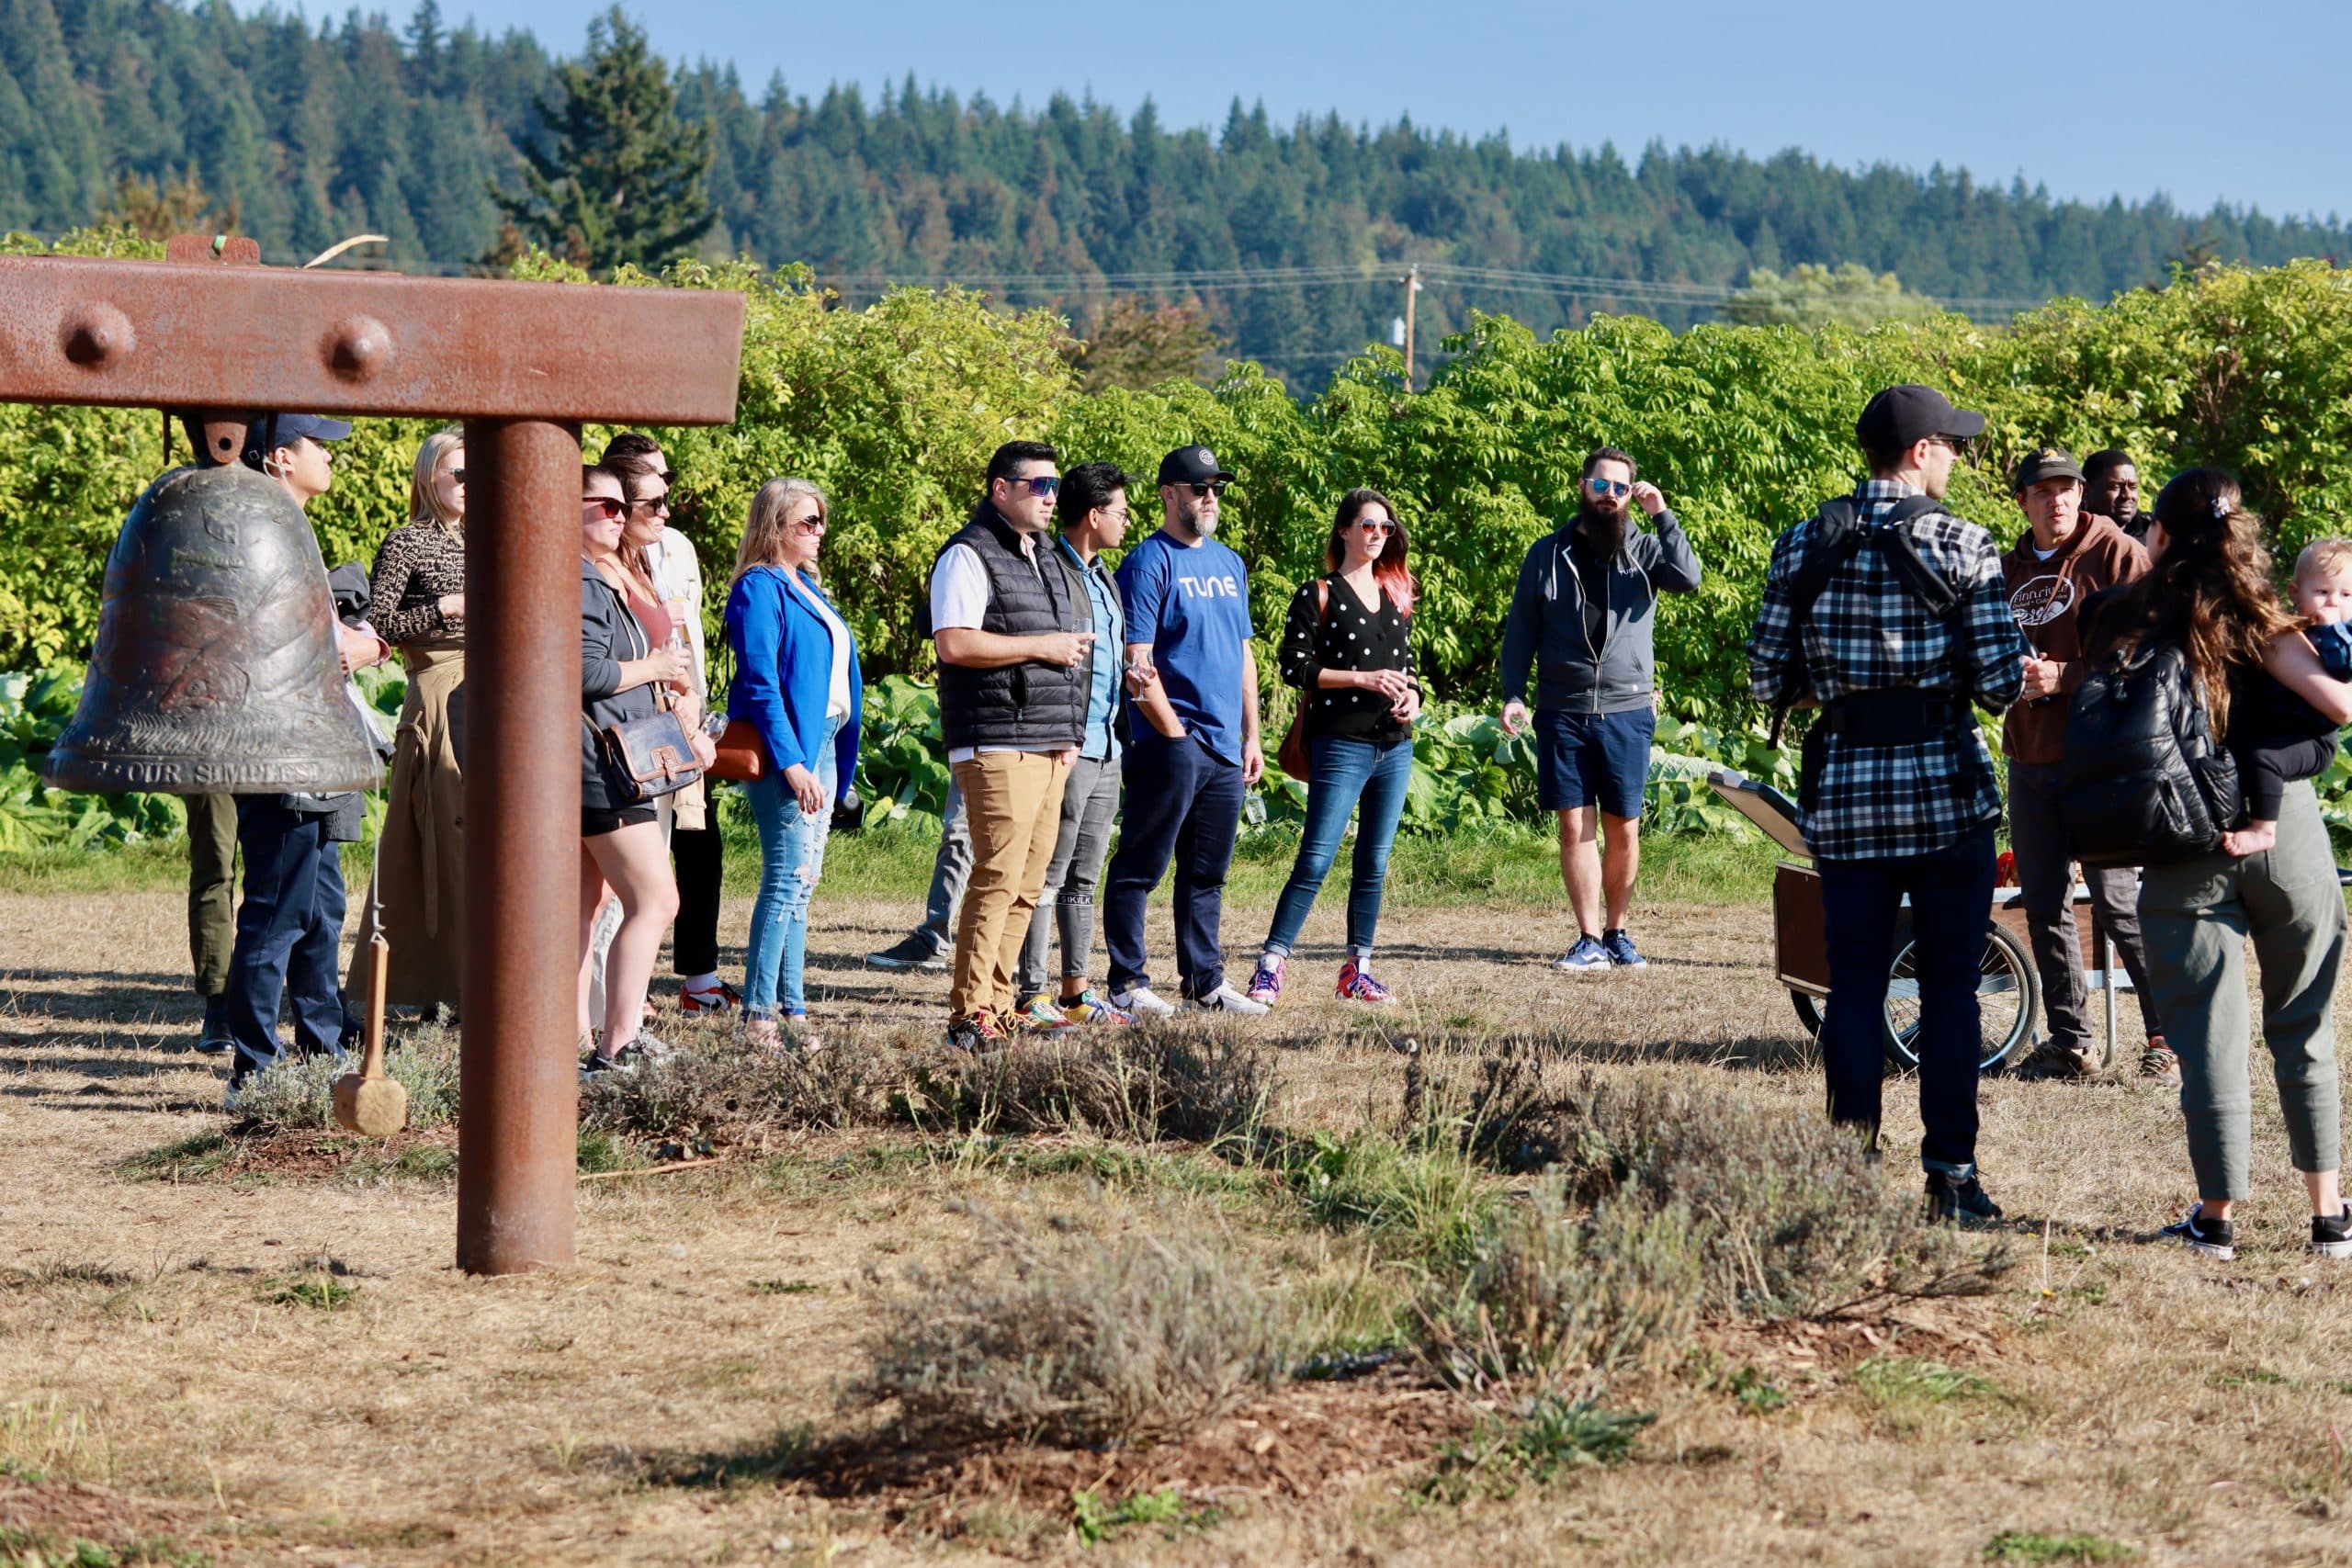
[
  {"x": 1142, "y": 1002},
  {"x": 1224, "y": 999}
]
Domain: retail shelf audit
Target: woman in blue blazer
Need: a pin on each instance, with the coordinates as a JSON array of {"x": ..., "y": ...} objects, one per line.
[{"x": 797, "y": 681}]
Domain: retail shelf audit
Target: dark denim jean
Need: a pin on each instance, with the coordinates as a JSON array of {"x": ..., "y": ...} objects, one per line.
[
  {"x": 289, "y": 929},
  {"x": 1952, "y": 897},
  {"x": 1183, "y": 803},
  {"x": 1345, "y": 770}
]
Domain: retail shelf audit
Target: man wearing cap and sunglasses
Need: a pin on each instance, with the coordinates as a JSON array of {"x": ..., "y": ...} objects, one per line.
[
  {"x": 1193, "y": 746},
  {"x": 1889, "y": 613},
  {"x": 1015, "y": 643},
  {"x": 2063, "y": 557},
  {"x": 1584, "y": 615}
]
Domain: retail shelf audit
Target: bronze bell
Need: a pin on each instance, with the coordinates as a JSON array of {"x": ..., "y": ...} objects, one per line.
[{"x": 215, "y": 670}]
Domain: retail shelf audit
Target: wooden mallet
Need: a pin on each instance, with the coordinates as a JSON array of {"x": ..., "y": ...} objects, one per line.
[{"x": 367, "y": 1102}]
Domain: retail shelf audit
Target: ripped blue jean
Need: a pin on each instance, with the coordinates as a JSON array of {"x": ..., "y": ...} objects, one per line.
[{"x": 792, "y": 857}]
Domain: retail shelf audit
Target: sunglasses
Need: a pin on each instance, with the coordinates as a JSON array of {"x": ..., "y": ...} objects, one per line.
[
  {"x": 1373, "y": 525},
  {"x": 456, "y": 476},
  {"x": 810, "y": 525},
  {"x": 1043, "y": 484},
  {"x": 1608, "y": 487},
  {"x": 608, "y": 506},
  {"x": 658, "y": 504},
  {"x": 1208, "y": 487}
]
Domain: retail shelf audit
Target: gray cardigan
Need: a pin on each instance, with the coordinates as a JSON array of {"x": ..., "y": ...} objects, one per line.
[
  {"x": 609, "y": 635},
  {"x": 1546, "y": 625}
]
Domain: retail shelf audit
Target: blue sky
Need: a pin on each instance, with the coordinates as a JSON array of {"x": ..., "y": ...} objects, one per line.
[{"x": 2246, "y": 103}]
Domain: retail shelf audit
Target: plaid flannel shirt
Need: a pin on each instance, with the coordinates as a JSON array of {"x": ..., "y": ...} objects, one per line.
[{"x": 1866, "y": 633}]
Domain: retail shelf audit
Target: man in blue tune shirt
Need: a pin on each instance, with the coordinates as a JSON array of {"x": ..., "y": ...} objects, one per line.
[{"x": 1194, "y": 747}]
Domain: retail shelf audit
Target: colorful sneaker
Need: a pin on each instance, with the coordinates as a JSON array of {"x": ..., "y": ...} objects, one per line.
[
  {"x": 710, "y": 1001},
  {"x": 1587, "y": 957},
  {"x": 1224, "y": 999},
  {"x": 977, "y": 1033},
  {"x": 1620, "y": 948},
  {"x": 1266, "y": 985},
  {"x": 1140, "y": 1002},
  {"x": 2213, "y": 1238},
  {"x": 2333, "y": 1237},
  {"x": 2158, "y": 1063},
  {"x": 913, "y": 950},
  {"x": 1356, "y": 985},
  {"x": 1088, "y": 1006},
  {"x": 1039, "y": 1015}
]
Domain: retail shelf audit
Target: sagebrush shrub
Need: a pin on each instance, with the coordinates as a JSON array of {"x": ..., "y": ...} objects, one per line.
[
  {"x": 1147, "y": 1082},
  {"x": 299, "y": 1092},
  {"x": 1070, "y": 1338},
  {"x": 719, "y": 1093}
]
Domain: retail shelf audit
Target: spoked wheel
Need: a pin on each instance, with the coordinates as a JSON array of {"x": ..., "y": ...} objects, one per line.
[{"x": 2008, "y": 991}]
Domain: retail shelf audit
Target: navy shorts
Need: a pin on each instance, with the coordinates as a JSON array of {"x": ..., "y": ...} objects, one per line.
[{"x": 1593, "y": 758}]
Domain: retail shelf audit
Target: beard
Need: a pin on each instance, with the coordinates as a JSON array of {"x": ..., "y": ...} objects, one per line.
[
  {"x": 1192, "y": 519},
  {"x": 1604, "y": 528}
]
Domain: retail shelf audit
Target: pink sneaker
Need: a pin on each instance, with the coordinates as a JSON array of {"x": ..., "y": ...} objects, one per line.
[
  {"x": 1357, "y": 984},
  {"x": 1265, "y": 985}
]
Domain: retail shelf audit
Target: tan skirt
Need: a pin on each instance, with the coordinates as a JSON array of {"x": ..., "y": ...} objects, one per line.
[{"x": 420, "y": 860}]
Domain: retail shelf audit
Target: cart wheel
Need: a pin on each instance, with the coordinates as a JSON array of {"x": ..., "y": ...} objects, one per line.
[
  {"x": 1808, "y": 1007},
  {"x": 2008, "y": 990}
]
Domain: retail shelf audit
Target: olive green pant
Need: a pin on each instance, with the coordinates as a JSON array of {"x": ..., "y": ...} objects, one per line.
[
  {"x": 2195, "y": 917},
  {"x": 211, "y": 889}
]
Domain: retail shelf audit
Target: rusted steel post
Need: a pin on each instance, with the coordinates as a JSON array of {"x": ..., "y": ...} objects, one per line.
[{"x": 518, "y": 1082}]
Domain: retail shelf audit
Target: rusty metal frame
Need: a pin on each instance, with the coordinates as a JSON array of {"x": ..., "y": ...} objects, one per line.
[{"x": 522, "y": 364}]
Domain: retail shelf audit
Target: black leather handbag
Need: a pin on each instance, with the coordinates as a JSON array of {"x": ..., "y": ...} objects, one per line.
[{"x": 649, "y": 757}]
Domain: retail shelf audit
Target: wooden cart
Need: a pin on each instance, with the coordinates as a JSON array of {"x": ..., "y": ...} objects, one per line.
[{"x": 2008, "y": 990}]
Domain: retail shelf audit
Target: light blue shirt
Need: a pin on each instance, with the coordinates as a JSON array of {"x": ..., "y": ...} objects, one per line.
[{"x": 1110, "y": 655}]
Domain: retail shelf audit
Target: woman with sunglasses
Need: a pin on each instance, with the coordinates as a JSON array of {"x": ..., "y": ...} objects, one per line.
[
  {"x": 623, "y": 656},
  {"x": 1347, "y": 647},
  {"x": 797, "y": 682},
  {"x": 419, "y": 590}
]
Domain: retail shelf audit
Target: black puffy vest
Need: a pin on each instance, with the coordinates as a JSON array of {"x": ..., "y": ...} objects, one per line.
[{"x": 1032, "y": 706}]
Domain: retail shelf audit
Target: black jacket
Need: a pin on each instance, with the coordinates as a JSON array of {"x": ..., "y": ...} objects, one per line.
[
  {"x": 1033, "y": 706},
  {"x": 609, "y": 636}
]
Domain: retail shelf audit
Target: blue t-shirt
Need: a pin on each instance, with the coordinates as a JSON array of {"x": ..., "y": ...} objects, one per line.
[{"x": 1193, "y": 605}]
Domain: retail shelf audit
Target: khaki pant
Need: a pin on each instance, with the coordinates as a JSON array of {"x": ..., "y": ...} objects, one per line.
[
  {"x": 2198, "y": 915},
  {"x": 1013, "y": 802}
]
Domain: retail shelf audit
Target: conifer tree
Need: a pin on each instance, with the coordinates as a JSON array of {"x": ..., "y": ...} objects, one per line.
[{"x": 619, "y": 178}]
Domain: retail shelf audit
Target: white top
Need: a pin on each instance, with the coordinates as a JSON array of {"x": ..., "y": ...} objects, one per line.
[
  {"x": 959, "y": 597},
  {"x": 837, "y": 695}
]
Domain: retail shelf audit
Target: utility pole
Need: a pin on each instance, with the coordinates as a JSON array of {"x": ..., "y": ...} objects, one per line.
[{"x": 1412, "y": 282}]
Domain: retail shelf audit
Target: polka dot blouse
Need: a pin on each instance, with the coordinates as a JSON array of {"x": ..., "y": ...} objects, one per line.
[{"x": 1349, "y": 635}]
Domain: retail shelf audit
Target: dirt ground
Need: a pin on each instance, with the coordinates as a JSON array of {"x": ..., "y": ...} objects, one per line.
[{"x": 287, "y": 1367}]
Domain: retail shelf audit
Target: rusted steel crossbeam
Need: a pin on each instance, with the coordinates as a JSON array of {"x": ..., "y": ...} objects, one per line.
[{"x": 524, "y": 364}]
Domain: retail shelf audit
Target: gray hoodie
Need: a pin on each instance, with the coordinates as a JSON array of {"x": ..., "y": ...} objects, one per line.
[{"x": 1546, "y": 627}]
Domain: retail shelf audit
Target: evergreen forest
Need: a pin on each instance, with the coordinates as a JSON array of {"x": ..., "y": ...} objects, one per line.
[{"x": 301, "y": 132}]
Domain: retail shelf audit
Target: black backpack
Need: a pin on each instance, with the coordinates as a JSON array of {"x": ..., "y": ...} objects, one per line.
[
  {"x": 1839, "y": 537},
  {"x": 2142, "y": 781}
]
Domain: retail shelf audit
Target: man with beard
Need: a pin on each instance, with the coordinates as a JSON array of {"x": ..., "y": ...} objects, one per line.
[
  {"x": 2111, "y": 489},
  {"x": 1193, "y": 746},
  {"x": 1584, "y": 615}
]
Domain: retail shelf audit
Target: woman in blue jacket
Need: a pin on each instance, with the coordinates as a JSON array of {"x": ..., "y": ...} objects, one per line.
[{"x": 797, "y": 681}]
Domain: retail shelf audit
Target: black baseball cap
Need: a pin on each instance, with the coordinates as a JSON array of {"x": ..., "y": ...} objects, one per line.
[
  {"x": 1899, "y": 416},
  {"x": 268, "y": 432},
  {"x": 2048, "y": 463},
  {"x": 1190, "y": 466}
]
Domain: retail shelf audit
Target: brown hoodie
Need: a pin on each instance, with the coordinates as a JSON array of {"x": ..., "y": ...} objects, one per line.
[{"x": 2047, "y": 597}]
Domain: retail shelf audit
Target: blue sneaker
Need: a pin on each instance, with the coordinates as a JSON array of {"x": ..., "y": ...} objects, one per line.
[
  {"x": 1620, "y": 948},
  {"x": 1587, "y": 957}
]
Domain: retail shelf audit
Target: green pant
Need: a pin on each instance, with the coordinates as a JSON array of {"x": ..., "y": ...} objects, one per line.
[
  {"x": 2196, "y": 915},
  {"x": 211, "y": 889}
]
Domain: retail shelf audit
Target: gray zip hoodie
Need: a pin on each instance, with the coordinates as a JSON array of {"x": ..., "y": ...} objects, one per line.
[{"x": 1546, "y": 627}]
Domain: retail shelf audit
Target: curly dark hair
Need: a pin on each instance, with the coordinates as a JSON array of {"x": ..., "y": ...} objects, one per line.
[{"x": 2210, "y": 591}]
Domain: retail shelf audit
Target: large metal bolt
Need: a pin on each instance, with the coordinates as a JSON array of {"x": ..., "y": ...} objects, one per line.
[
  {"x": 361, "y": 346},
  {"x": 98, "y": 334}
]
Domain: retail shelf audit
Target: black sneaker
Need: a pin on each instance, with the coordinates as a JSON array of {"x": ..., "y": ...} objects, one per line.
[
  {"x": 2213, "y": 1238},
  {"x": 214, "y": 1039},
  {"x": 1951, "y": 1199},
  {"x": 977, "y": 1033},
  {"x": 2333, "y": 1237},
  {"x": 912, "y": 951},
  {"x": 628, "y": 1059}
]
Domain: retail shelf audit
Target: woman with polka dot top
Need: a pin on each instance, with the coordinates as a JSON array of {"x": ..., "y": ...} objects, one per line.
[{"x": 1347, "y": 647}]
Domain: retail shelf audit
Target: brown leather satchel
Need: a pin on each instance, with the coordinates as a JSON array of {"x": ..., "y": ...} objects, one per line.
[
  {"x": 649, "y": 757},
  {"x": 1292, "y": 757},
  {"x": 742, "y": 755}
]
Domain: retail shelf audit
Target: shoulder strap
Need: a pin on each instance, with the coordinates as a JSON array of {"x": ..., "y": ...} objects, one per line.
[{"x": 1322, "y": 600}]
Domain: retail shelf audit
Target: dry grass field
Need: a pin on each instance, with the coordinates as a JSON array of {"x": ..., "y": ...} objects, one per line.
[{"x": 258, "y": 1350}]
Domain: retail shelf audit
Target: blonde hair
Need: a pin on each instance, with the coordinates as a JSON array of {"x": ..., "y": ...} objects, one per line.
[
  {"x": 424, "y": 504},
  {"x": 763, "y": 529},
  {"x": 2323, "y": 557}
]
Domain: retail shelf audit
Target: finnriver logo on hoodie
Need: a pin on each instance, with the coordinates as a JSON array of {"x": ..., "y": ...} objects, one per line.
[{"x": 2041, "y": 600}]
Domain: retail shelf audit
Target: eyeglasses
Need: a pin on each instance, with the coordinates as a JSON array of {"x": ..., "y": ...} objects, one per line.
[
  {"x": 1039, "y": 484},
  {"x": 1208, "y": 487},
  {"x": 1956, "y": 444},
  {"x": 1608, "y": 487},
  {"x": 1119, "y": 517},
  {"x": 1373, "y": 525},
  {"x": 608, "y": 506}
]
